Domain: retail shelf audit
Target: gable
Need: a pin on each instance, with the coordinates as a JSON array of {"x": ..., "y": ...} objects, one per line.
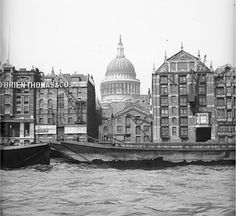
[
  {"x": 132, "y": 107},
  {"x": 182, "y": 56}
]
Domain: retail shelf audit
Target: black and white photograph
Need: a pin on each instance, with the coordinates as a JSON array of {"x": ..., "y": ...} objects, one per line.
[{"x": 117, "y": 107}]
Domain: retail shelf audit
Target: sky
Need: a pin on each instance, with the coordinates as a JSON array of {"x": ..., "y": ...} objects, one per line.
[{"x": 82, "y": 35}]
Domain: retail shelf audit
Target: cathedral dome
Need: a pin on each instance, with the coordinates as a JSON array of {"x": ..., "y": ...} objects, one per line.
[
  {"x": 120, "y": 65},
  {"x": 120, "y": 81}
]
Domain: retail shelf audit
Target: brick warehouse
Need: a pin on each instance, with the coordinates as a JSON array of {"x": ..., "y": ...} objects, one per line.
[
  {"x": 18, "y": 105},
  {"x": 225, "y": 103},
  {"x": 66, "y": 113},
  {"x": 183, "y": 100}
]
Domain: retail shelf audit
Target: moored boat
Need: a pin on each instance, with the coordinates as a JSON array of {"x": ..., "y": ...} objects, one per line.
[
  {"x": 169, "y": 152},
  {"x": 20, "y": 156}
]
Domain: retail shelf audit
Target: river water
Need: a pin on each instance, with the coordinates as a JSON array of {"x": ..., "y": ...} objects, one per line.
[{"x": 73, "y": 189}]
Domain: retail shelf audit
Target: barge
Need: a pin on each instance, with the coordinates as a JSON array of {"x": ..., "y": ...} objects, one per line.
[
  {"x": 168, "y": 152},
  {"x": 20, "y": 156}
]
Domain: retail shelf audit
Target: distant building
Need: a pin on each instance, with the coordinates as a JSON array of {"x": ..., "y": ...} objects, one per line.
[
  {"x": 128, "y": 121},
  {"x": 18, "y": 104},
  {"x": 225, "y": 103},
  {"x": 183, "y": 100},
  {"x": 68, "y": 112},
  {"x": 124, "y": 113},
  {"x": 120, "y": 81}
]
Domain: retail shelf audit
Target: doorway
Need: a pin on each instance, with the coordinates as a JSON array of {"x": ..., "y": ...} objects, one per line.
[{"x": 203, "y": 134}]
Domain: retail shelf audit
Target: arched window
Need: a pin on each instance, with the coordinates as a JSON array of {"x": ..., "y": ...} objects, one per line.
[
  {"x": 119, "y": 129},
  {"x": 138, "y": 130},
  {"x": 105, "y": 129},
  {"x": 49, "y": 120},
  {"x": 127, "y": 120},
  {"x": 41, "y": 121}
]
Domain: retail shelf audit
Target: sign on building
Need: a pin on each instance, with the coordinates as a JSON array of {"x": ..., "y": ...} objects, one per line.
[
  {"x": 75, "y": 129},
  {"x": 45, "y": 129}
]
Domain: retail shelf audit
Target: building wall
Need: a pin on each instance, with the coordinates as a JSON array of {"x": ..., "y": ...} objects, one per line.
[
  {"x": 69, "y": 113},
  {"x": 18, "y": 105},
  {"x": 225, "y": 104},
  {"x": 182, "y": 87}
]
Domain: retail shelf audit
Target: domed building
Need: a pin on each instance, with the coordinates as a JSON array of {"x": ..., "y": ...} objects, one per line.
[{"x": 120, "y": 81}]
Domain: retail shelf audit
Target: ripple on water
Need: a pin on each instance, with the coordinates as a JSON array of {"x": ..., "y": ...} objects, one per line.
[{"x": 75, "y": 189}]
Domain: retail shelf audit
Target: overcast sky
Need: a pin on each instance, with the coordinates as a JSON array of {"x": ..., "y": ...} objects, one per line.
[{"x": 82, "y": 36}]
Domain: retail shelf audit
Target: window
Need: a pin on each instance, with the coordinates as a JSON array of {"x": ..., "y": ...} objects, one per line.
[
  {"x": 127, "y": 138},
  {"x": 105, "y": 129},
  {"x": 18, "y": 110},
  {"x": 183, "y": 100},
  {"x": 220, "y": 113},
  {"x": 119, "y": 129},
  {"x": 202, "y": 90},
  {"x": 49, "y": 102},
  {"x": 164, "y": 131},
  {"x": 26, "y": 99},
  {"x": 18, "y": 99},
  {"x": 127, "y": 120},
  {"x": 164, "y": 100},
  {"x": 70, "y": 120},
  {"x": 164, "y": 111},
  {"x": 49, "y": 120},
  {"x": 229, "y": 114},
  {"x": 41, "y": 121},
  {"x": 202, "y": 100},
  {"x": 127, "y": 129},
  {"x": 173, "y": 88},
  {"x": 228, "y": 91},
  {"x": 40, "y": 110},
  {"x": 174, "y": 131},
  {"x": 138, "y": 139},
  {"x": 183, "y": 131},
  {"x": 163, "y": 79},
  {"x": 220, "y": 91},
  {"x": 173, "y": 99},
  {"x": 183, "y": 110},
  {"x": 182, "y": 66},
  {"x": 146, "y": 128},
  {"x": 146, "y": 139},
  {"x": 49, "y": 110},
  {"x": 41, "y": 102},
  {"x": 164, "y": 90},
  {"x": 174, "y": 120},
  {"x": 70, "y": 110},
  {"x": 172, "y": 66},
  {"x": 220, "y": 101},
  {"x": 203, "y": 78},
  {"x": 138, "y": 130},
  {"x": 165, "y": 120},
  {"x": 182, "y": 79},
  {"x": 26, "y": 109},
  {"x": 119, "y": 119},
  {"x": 7, "y": 110},
  {"x": 174, "y": 110},
  {"x": 26, "y": 129},
  {"x": 183, "y": 120},
  {"x": 182, "y": 89}
]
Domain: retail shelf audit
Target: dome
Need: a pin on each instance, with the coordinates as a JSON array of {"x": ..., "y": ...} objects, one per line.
[{"x": 120, "y": 66}]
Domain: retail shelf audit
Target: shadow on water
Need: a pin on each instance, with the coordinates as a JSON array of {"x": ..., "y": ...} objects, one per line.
[{"x": 145, "y": 164}]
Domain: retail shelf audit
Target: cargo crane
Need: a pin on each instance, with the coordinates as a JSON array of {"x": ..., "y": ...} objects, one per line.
[{"x": 139, "y": 121}]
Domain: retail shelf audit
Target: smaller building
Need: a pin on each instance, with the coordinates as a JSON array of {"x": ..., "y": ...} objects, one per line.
[
  {"x": 17, "y": 102},
  {"x": 128, "y": 121},
  {"x": 225, "y": 103},
  {"x": 66, "y": 112}
]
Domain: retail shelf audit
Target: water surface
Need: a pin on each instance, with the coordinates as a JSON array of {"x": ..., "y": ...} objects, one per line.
[{"x": 73, "y": 189}]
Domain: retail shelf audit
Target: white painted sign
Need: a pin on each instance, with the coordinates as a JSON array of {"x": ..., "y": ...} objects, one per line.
[
  {"x": 75, "y": 129},
  {"x": 45, "y": 129}
]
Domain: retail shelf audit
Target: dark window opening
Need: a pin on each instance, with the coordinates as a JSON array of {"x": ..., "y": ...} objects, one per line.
[{"x": 203, "y": 134}]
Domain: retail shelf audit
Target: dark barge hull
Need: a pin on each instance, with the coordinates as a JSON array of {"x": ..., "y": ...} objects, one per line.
[
  {"x": 178, "y": 153},
  {"x": 20, "y": 156}
]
